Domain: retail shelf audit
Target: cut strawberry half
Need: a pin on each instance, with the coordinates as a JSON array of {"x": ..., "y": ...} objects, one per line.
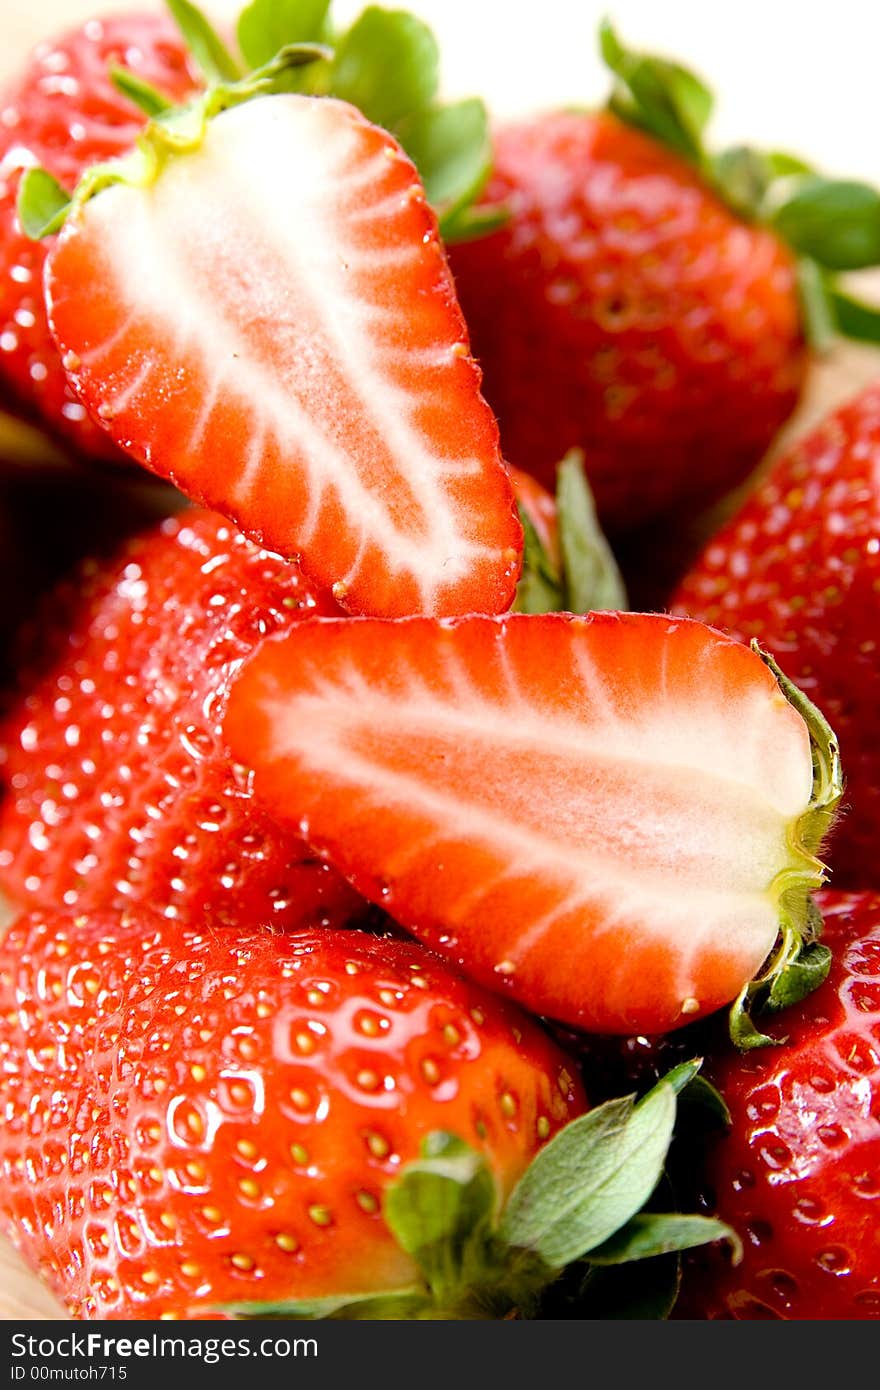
[
  {"x": 259, "y": 308},
  {"x": 612, "y": 817}
]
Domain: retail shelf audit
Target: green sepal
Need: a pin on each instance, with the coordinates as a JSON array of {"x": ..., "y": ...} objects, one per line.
[
  {"x": 451, "y": 148},
  {"x": 592, "y": 579},
  {"x": 659, "y": 96},
  {"x": 266, "y": 26},
  {"x": 440, "y": 1211},
  {"x": 142, "y": 94},
  {"x": 590, "y": 1178},
  {"x": 176, "y": 131},
  {"x": 827, "y": 790},
  {"x": 43, "y": 205},
  {"x": 798, "y": 963},
  {"x": 204, "y": 43},
  {"x": 355, "y": 1307},
  {"x": 683, "y": 1076},
  {"x": 587, "y": 578},
  {"x": 835, "y": 222},
  {"x": 742, "y": 175},
  {"x": 817, "y": 305},
  {"x": 853, "y": 318},
  {"x": 472, "y": 223},
  {"x": 540, "y": 588},
  {"x": 800, "y": 977},
  {"x": 648, "y": 1234},
  {"x": 387, "y": 64}
]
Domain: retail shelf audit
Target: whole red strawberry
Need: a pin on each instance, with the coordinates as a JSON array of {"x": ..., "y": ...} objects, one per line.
[
  {"x": 798, "y": 569},
  {"x": 659, "y": 331},
  {"x": 119, "y": 788},
  {"x": 220, "y": 1114},
  {"x": 63, "y": 112},
  {"x": 653, "y": 296},
  {"x": 797, "y": 1175}
]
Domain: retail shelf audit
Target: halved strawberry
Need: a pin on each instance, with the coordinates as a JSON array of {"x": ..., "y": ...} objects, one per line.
[
  {"x": 610, "y": 817},
  {"x": 264, "y": 315}
]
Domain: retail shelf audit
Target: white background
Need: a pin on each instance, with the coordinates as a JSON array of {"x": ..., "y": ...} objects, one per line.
[{"x": 786, "y": 72}]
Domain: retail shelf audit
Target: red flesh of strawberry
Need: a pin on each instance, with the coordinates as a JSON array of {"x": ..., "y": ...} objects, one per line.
[
  {"x": 592, "y": 813},
  {"x": 273, "y": 326}
]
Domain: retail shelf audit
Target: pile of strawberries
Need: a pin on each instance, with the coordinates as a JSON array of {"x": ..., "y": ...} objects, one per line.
[{"x": 403, "y": 927}]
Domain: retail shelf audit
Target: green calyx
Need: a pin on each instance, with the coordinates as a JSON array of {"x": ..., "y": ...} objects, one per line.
[
  {"x": 585, "y": 578},
  {"x": 831, "y": 225},
  {"x": 799, "y": 962},
  {"x": 581, "y": 1201},
  {"x": 386, "y": 64}
]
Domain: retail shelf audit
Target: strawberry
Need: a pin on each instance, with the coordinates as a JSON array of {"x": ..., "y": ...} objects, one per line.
[
  {"x": 307, "y": 371},
  {"x": 797, "y": 1174},
  {"x": 119, "y": 789},
  {"x": 649, "y": 295},
  {"x": 608, "y": 817},
  {"x": 64, "y": 112},
  {"x": 799, "y": 570},
  {"x": 306, "y": 1123}
]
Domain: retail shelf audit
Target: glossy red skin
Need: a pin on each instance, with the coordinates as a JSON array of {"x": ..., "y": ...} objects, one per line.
[
  {"x": 124, "y": 1044},
  {"x": 626, "y": 310},
  {"x": 120, "y": 789},
  {"x": 798, "y": 1176},
  {"x": 799, "y": 569},
  {"x": 64, "y": 113}
]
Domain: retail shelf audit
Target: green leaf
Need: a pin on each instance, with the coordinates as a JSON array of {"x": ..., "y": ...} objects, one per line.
[
  {"x": 43, "y": 204},
  {"x": 835, "y": 222},
  {"x": 143, "y": 94},
  {"x": 645, "y": 1292},
  {"x": 592, "y": 579},
  {"x": 743, "y": 1032},
  {"x": 452, "y": 151},
  {"x": 816, "y": 304},
  {"x": 398, "y": 1304},
  {"x": 265, "y": 26},
  {"x": 800, "y": 977},
  {"x": 591, "y": 1178},
  {"x": 651, "y": 1233},
  {"x": 204, "y": 43},
  {"x": 742, "y": 176},
  {"x": 659, "y": 96},
  {"x": 440, "y": 1209},
  {"x": 854, "y": 318},
  {"x": 387, "y": 65},
  {"x": 781, "y": 164},
  {"x": 540, "y": 588},
  {"x": 681, "y": 1076},
  {"x": 827, "y": 772},
  {"x": 474, "y": 222}
]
